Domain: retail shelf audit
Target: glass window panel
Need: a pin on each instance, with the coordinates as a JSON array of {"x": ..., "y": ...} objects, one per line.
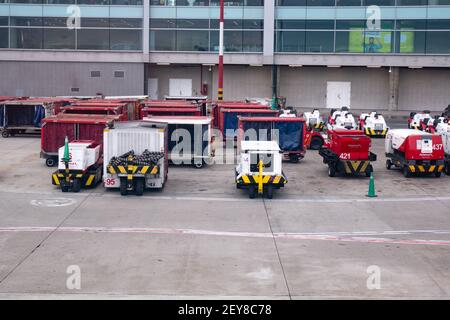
[
  {"x": 26, "y": 38},
  {"x": 291, "y": 2},
  {"x": 127, "y": 2},
  {"x": 378, "y": 2},
  {"x": 232, "y": 41},
  {"x": 125, "y": 23},
  {"x": 228, "y": 24},
  {"x": 3, "y": 21},
  {"x": 377, "y": 42},
  {"x": 26, "y": 21},
  {"x": 193, "y": 23},
  {"x": 438, "y": 24},
  {"x": 93, "y": 2},
  {"x": 192, "y": 2},
  {"x": 412, "y": 2},
  {"x": 94, "y": 22},
  {"x": 162, "y": 23},
  {"x": 350, "y": 24},
  {"x": 319, "y": 41},
  {"x": 411, "y": 24},
  {"x": 253, "y": 24},
  {"x": 254, "y": 2},
  {"x": 59, "y": 38},
  {"x": 93, "y": 39},
  {"x": 192, "y": 40},
  {"x": 54, "y": 22},
  {"x": 322, "y": 3},
  {"x": 348, "y": 3},
  {"x": 290, "y": 41},
  {"x": 4, "y": 37},
  {"x": 58, "y": 1},
  {"x": 252, "y": 41},
  {"x": 125, "y": 39},
  {"x": 439, "y": 2},
  {"x": 26, "y": 1},
  {"x": 320, "y": 24},
  {"x": 291, "y": 24},
  {"x": 437, "y": 42},
  {"x": 410, "y": 42},
  {"x": 162, "y": 40}
]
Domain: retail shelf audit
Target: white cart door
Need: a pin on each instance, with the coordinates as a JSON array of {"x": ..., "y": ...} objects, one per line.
[
  {"x": 180, "y": 87},
  {"x": 338, "y": 94}
]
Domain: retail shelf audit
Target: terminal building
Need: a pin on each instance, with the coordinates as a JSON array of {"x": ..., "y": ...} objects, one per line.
[{"x": 316, "y": 53}]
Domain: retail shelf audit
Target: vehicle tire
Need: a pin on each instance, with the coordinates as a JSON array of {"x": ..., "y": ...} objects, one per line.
[
  {"x": 437, "y": 174},
  {"x": 388, "y": 164},
  {"x": 294, "y": 158},
  {"x": 331, "y": 170},
  {"x": 76, "y": 187},
  {"x": 198, "y": 165},
  {"x": 5, "y": 134},
  {"x": 406, "y": 172},
  {"x": 252, "y": 191},
  {"x": 316, "y": 143},
  {"x": 123, "y": 186},
  {"x": 50, "y": 162},
  {"x": 139, "y": 186},
  {"x": 64, "y": 188},
  {"x": 447, "y": 169},
  {"x": 369, "y": 170},
  {"x": 269, "y": 191}
]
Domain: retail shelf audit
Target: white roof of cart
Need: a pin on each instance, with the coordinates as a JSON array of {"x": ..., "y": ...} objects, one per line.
[
  {"x": 403, "y": 133},
  {"x": 259, "y": 146}
]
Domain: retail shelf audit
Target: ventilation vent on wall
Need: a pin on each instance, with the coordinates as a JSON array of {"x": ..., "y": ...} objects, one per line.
[
  {"x": 95, "y": 74},
  {"x": 75, "y": 89},
  {"x": 119, "y": 74}
]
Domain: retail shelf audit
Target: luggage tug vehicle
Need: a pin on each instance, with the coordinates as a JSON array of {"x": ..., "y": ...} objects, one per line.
[
  {"x": 347, "y": 152},
  {"x": 79, "y": 166},
  {"x": 414, "y": 152},
  {"x": 260, "y": 168},
  {"x": 314, "y": 127},
  {"x": 373, "y": 124}
]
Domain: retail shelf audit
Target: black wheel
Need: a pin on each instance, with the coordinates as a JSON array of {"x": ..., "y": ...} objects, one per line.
[
  {"x": 76, "y": 187},
  {"x": 369, "y": 170},
  {"x": 316, "y": 143},
  {"x": 139, "y": 186},
  {"x": 269, "y": 191},
  {"x": 123, "y": 186},
  {"x": 5, "y": 134},
  {"x": 447, "y": 169},
  {"x": 50, "y": 162},
  {"x": 437, "y": 174},
  {"x": 331, "y": 170},
  {"x": 198, "y": 164},
  {"x": 294, "y": 158},
  {"x": 388, "y": 164},
  {"x": 64, "y": 188},
  {"x": 406, "y": 172},
  {"x": 252, "y": 191}
]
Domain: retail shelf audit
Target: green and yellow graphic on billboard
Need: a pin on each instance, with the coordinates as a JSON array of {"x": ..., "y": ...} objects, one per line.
[
  {"x": 369, "y": 41},
  {"x": 406, "y": 41}
]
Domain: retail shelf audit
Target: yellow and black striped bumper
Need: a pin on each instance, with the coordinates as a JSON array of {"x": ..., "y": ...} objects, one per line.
[
  {"x": 132, "y": 170},
  {"x": 355, "y": 167},
  {"x": 373, "y": 132},
  {"x": 419, "y": 168},
  {"x": 87, "y": 179},
  {"x": 266, "y": 179}
]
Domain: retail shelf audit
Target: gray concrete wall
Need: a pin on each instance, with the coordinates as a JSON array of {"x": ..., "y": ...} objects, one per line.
[
  {"x": 239, "y": 81},
  {"x": 421, "y": 89},
  {"x": 306, "y": 87},
  {"x": 57, "y": 78}
]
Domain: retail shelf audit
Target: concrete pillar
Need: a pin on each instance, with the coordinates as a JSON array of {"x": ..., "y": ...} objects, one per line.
[
  {"x": 394, "y": 78},
  {"x": 269, "y": 27},
  {"x": 146, "y": 27}
]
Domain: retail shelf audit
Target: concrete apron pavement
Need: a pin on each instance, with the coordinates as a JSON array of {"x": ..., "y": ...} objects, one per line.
[{"x": 202, "y": 238}]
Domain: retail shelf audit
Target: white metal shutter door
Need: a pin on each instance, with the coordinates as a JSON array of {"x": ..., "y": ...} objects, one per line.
[
  {"x": 180, "y": 87},
  {"x": 338, "y": 94}
]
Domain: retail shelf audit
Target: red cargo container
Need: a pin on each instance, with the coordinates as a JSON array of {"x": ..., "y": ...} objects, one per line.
[
  {"x": 288, "y": 132},
  {"x": 347, "y": 152},
  {"x": 215, "y": 111},
  {"x": 116, "y": 109},
  {"x": 192, "y": 111},
  {"x": 132, "y": 105},
  {"x": 75, "y": 127},
  {"x": 228, "y": 119}
]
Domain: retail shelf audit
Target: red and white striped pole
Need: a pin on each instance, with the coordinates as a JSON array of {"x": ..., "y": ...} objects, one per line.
[{"x": 221, "y": 23}]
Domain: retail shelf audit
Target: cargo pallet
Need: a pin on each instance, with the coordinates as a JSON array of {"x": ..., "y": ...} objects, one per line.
[
  {"x": 337, "y": 166},
  {"x": 410, "y": 167}
]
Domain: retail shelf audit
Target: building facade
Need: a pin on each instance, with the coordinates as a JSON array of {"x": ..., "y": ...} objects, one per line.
[{"x": 369, "y": 54}]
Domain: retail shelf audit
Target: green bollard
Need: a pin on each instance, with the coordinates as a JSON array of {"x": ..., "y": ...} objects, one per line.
[{"x": 371, "y": 192}]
